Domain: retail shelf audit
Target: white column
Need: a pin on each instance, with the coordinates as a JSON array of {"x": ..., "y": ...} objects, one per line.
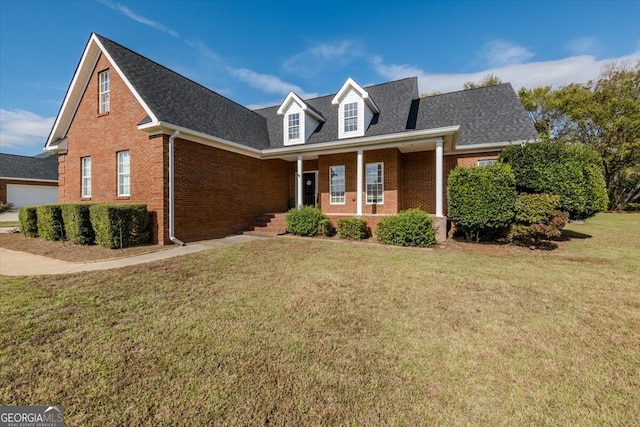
[
  {"x": 359, "y": 184},
  {"x": 299, "y": 182},
  {"x": 439, "y": 178}
]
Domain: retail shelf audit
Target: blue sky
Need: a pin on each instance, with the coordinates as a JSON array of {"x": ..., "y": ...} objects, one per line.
[{"x": 255, "y": 52}]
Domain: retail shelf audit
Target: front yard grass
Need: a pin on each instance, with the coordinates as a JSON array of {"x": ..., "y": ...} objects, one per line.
[{"x": 307, "y": 332}]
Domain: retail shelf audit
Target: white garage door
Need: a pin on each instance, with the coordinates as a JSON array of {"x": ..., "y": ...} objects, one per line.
[{"x": 31, "y": 195}]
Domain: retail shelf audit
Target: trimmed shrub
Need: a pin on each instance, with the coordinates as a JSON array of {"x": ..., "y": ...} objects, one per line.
[
  {"x": 110, "y": 222},
  {"x": 305, "y": 221},
  {"x": 412, "y": 227},
  {"x": 482, "y": 200},
  {"x": 50, "y": 225},
  {"x": 352, "y": 228},
  {"x": 326, "y": 228},
  {"x": 537, "y": 218},
  {"x": 633, "y": 207},
  {"x": 572, "y": 172},
  {"x": 28, "y": 221},
  {"x": 77, "y": 223}
]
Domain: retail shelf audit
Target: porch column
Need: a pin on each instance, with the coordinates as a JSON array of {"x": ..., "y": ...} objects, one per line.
[
  {"x": 299, "y": 182},
  {"x": 439, "y": 178},
  {"x": 359, "y": 184}
]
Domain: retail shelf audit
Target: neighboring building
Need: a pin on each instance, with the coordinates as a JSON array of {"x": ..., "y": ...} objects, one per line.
[
  {"x": 132, "y": 131},
  {"x": 28, "y": 181}
]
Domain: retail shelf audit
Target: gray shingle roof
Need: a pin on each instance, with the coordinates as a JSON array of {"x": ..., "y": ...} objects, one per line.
[
  {"x": 393, "y": 99},
  {"x": 23, "y": 167},
  {"x": 485, "y": 115},
  {"x": 177, "y": 100}
]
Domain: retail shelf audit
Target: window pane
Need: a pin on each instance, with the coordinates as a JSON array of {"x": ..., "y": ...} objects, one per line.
[
  {"x": 336, "y": 184},
  {"x": 124, "y": 178},
  {"x": 294, "y": 126},
  {"x": 104, "y": 89},
  {"x": 375, "y": 183},
  {"x": 351, "y": 117},
  {"x": 86, "y": 177}
]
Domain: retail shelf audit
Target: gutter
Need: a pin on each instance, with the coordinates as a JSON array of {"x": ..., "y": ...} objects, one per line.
[{"x": 172, "y": 198}]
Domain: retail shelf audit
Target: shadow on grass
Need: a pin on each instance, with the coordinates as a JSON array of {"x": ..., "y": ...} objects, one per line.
[{"x": 570, "y": 234}]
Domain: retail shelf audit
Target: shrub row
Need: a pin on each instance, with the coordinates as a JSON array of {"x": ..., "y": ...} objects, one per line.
[{"x": 111, "y": 226}]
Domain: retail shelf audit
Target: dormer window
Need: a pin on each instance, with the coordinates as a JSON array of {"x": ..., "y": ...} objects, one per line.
[
  {"x": 351, "y": 117},
  {"x": 104, "y": 90},
  {"x": 294, "y": 126}
]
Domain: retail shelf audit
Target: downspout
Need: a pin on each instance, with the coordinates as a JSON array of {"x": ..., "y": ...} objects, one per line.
[{"x": 172, "y": 210}]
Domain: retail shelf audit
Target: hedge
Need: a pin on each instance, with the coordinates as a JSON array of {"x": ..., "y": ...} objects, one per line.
[
  {"x": 306, "y": 221},
  {"x": 50, "y": 225},
  {"x": 113, "y": 222},
  {"x": 28, "y": 221},
  {"x": 537, "y": 218},
  {"x": 482, "y": 200},
  {"x": 412, "y": 227},
  {"x": 352, "y": 228},
  {"x": 77, "y": 223}
]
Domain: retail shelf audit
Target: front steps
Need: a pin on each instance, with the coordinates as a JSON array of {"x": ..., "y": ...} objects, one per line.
[{"x": 269, "y": 225}]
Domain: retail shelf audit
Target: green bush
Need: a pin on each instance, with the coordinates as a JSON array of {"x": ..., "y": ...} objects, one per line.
[
  {"x": 110, "y": 222},
  {"x": 572, "y": 172},
  {"x": 50, "y": 225},
  {"x": 326, "y": 228},
  {"x": 633, "y": 207},
  {"x": 77, "y": 223},
  {"x": 537, "y": 218},
  {"x": 412, "y": 227},
  {"x": 28, "y": 221},
  {"x": 352, "y": 228},
  {"x": 481, "y": 200},
  {"x": 305, "y": 221}
]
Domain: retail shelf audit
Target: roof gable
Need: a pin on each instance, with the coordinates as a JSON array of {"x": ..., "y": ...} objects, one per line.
[
  {"x": 351, "y": 85},
  {"x": 292, "y": 97}
]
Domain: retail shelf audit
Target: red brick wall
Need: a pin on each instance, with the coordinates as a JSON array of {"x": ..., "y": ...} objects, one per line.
[
  {"x": 101, "y": 136},
  {"x": 219, "y": 192}
]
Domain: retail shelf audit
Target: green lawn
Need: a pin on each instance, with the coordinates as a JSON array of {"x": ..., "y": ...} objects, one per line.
[
  {"x": 308, "y": 332},
  {"x": 9, "y": 223}
]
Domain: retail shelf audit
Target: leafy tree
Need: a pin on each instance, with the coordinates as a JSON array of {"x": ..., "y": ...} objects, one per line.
[
  {"x": 488, "y": 80},
  {"x": 571, "y": 172},
  {"x": 603, "y": 114}
]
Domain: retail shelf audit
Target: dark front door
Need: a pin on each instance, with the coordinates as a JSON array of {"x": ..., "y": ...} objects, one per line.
[{"x": 309, "y": 189}]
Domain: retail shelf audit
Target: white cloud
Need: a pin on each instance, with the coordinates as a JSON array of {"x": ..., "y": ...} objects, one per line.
[
  {"x": 268, "y": 83},
  {"x": 203, "y": 50},
  {"x": 583, "y": 46},
  {"x": 575, "y": 69},
  {"x": 499, "y": 53},
  {"x": 19, "y": 128},
  {"x": 138, "y": 18},
  {"x": 311, "y": 61}
]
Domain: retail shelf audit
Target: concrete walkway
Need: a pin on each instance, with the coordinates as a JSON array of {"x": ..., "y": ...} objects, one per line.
[{"x": 14, "y": 263}]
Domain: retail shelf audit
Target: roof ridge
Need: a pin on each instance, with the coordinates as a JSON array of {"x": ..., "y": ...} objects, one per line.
[
  {"x": 468, "y": 90},
  {"x": 174, "y": 72}
]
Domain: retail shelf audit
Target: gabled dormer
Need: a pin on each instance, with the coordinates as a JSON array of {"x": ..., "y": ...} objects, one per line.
[
  {"x": 355, "y": 109},
  {"x": 299, "y": 119}
]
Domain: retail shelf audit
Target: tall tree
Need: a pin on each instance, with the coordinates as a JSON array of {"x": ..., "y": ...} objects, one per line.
[
  {"x": 488, "y": 80},
  {"x": 603, "y": 114}
]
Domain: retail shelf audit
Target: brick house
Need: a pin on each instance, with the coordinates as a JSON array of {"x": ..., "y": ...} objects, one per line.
[{"x": 132, "y": 131}]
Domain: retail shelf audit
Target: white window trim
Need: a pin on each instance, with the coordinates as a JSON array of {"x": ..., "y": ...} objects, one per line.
[
  {"x": 85, "y": 178},
  {"x": 353, "y": 117},
  {"x": 344, "y": 193},
  {"x": 122, "y": 174},
  {"x": 486, "y": 162},
  {"x": 366, "y": 184},
  {"x": 290, "y": 126},
  {"x": 104, "y": 98}
]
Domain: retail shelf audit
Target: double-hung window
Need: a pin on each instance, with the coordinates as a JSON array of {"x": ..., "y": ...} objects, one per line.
[
  {"x": 375, "y": 183},
  {"x": 294, "y": 126},
  {"x": 124, "y": 177},
  {"x": 336, "y": 185},
  {"x": 104, "y": 89},
  {"x": 483, "y": 163},
  {"x": 351, "y": 117},
  {"x": 86, "y": 176}
]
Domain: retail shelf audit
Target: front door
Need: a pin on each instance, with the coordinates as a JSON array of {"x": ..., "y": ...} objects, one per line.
[{"x": 309, "y": 188}]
